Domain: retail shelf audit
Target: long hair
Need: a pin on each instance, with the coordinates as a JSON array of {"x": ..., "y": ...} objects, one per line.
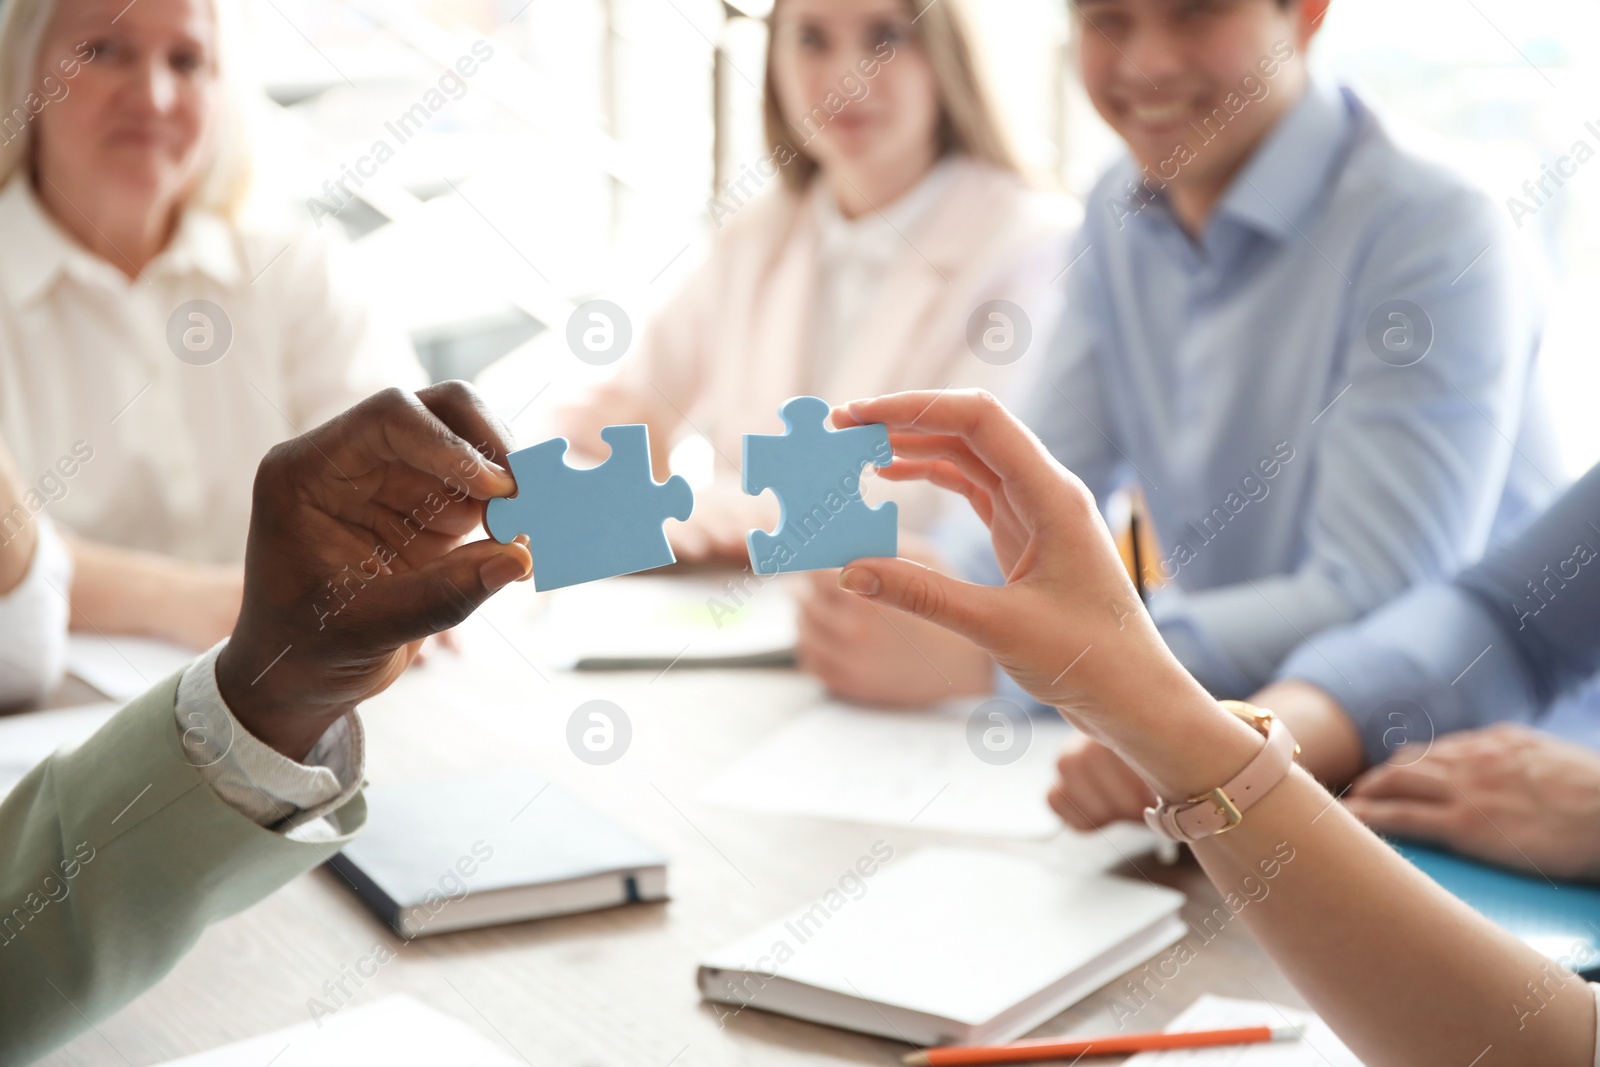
[
  {"x": 224, "y": 183},
  {"x": 969, "y": 121}
]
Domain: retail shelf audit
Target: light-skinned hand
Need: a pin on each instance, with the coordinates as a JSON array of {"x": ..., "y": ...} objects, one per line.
[
  {"x": 1506, "y": 794},
  {"x": 1095, "y": 787},
  {"x": 870, "y": 654},
  {"x": 1067, "y": 624}
]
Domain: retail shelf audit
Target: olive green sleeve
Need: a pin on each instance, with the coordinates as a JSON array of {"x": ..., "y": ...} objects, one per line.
[{"x": 114, "y": 855}]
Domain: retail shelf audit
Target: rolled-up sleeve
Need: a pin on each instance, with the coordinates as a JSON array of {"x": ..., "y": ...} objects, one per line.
[{"x": 1500, "y": 643}]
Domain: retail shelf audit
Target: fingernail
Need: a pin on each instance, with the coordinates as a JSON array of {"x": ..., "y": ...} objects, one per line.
[
  {"x": 500, "y": 572},
  {"x": 860, "y": 580}
]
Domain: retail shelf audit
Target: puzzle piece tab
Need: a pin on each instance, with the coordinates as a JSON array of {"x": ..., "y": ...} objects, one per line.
[
  {"x": 584, "y": 525},
  {"x": 816, "y": 474}
]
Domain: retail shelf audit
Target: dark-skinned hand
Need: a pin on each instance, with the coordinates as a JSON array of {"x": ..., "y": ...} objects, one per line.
[{"x": 358, "y": 551}]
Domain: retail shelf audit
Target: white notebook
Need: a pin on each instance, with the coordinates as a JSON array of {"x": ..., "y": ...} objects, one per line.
[
  {"x": 948, "y": 946},
  {"x": 27, "y": 739},
  {"x": 1317, "y": 1047},
  {"x": 123, "y": 667},
  {"x": 395, "y": 1030}
]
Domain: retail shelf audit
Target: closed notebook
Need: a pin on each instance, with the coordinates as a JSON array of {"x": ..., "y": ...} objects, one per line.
[
  {"x": 492, "y": 848},
  {"x": 948, "y": 946}
]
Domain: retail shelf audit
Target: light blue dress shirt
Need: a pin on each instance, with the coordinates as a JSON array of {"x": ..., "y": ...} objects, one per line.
[
  {"x": 1294, "y": 478},
  {"x": 1503, "y": 641}
]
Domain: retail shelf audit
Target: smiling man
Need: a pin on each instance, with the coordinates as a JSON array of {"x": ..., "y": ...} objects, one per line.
[{"x": 1308, "y": 347}]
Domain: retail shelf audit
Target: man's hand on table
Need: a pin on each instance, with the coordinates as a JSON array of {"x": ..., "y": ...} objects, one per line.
[
  {"x": 1505, "y": 794},
  {"x": 358, "y": 551}
]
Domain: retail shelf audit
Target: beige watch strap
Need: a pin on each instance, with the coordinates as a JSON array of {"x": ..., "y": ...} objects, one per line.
[{"x": 1223, "y": 808}]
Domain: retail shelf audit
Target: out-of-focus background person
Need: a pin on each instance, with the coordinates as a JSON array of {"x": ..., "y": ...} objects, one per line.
[
  {"x": 143, "y": 313},
  {"x": 889, "y": 204}
]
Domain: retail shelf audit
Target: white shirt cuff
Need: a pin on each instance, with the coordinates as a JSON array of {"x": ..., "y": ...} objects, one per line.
[
  {"x": 33, "y": 622},
  {"x": 256, "y": 780}
]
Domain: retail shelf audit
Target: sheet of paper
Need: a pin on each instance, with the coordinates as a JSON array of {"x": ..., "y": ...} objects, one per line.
[
  {"x": 26, "y": 739},
  {"x": 396, "y": 1030},
  {"x": 654, "y": 621},
  {"x": 1317, "y": 1048},
  {"x": 123, "y": 667},
  {"x": 896, "y": 768}
]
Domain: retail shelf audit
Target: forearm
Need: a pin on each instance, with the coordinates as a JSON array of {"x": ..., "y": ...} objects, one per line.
[
  {"x": 1405, "y": 973},
  {"x": 124, "y": 591},
  {"x": 18, "y": 534},
  {"x": 1402, "y": 971}
]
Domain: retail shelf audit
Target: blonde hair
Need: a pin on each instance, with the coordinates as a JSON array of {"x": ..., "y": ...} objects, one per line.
[
  {"x": 969, "y": 120},
  {"x": 224, "y": 184}
]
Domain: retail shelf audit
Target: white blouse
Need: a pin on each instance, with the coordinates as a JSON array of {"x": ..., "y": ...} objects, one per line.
[
  {"x": 33, "y": 622},
  {"x": 854, "y": 257},
  {"x": 162, "y": 415}
]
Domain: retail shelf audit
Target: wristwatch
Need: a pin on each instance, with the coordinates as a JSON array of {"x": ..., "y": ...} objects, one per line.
[{"x": 1223, "y": 808}]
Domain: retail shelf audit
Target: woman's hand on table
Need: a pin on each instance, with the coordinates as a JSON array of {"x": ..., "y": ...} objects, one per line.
[{"x": 869, "y": 654}]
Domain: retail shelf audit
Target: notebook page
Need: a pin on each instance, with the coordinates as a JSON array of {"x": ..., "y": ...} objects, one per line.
[
  {"x": 895, "y": 768},
  {"x": 395, "y": 1030},
  {"x": 1317, "y": 1048}
]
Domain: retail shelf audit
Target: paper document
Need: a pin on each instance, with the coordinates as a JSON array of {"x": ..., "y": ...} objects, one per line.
[
  {"x": 396, "y": 1030},
  {"x": 897, "y": 768},
  {"x": 653, "y": 623},
  {"x": 1317, "y": 1048},
  {"x": 123, "y": 667},
  {"x": 26, "y": 739}
]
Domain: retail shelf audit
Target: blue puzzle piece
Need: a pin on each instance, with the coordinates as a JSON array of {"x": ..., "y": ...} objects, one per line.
[
  {"x": 816, "y": 473},
  {"x": 584, "y": 525}
]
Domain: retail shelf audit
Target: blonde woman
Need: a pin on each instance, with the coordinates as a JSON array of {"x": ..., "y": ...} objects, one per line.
[
  {"x": 140, "y": 315},
  {"x": 851, "y": 257}
]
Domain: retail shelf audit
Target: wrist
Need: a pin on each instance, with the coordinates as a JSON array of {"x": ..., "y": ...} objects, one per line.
[
  {"x": 1178, "y": 737},
  {"x": 263, "y": 694}
]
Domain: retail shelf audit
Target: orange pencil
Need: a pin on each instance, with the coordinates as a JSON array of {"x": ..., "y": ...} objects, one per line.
[{"x": 1116, "y": 1045}]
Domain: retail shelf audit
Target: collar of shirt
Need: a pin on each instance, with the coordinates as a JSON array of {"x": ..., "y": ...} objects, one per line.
[
  {"x": 878, "y": 236},
  {"x": 38, "y": 252},
  {"x": 1288, "y": 174}
]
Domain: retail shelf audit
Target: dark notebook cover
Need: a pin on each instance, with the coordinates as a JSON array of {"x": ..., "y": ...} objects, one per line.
[{"x": 432, "y": 846}]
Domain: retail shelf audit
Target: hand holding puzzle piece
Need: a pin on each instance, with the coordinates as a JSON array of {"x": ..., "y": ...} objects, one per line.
[{"x": 585, "y": 525}]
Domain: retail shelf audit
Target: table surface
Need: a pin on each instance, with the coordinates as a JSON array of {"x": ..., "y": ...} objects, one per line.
[{"x": 614, "y": 987}]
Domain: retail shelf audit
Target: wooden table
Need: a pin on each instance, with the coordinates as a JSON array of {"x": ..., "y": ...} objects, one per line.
[{"x": 614, "y": 987}]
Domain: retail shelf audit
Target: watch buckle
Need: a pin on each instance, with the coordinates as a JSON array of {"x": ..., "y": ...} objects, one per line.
[{"x": 1225, "y": 807}]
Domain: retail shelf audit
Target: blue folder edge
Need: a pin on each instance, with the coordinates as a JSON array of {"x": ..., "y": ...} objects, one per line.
[{"x": 1558, "y": 918}]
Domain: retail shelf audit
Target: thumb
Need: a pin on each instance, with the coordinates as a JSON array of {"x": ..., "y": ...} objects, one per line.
[
  {"x": 443, "y": 593},
  {"x": 921, "y": 591}
]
